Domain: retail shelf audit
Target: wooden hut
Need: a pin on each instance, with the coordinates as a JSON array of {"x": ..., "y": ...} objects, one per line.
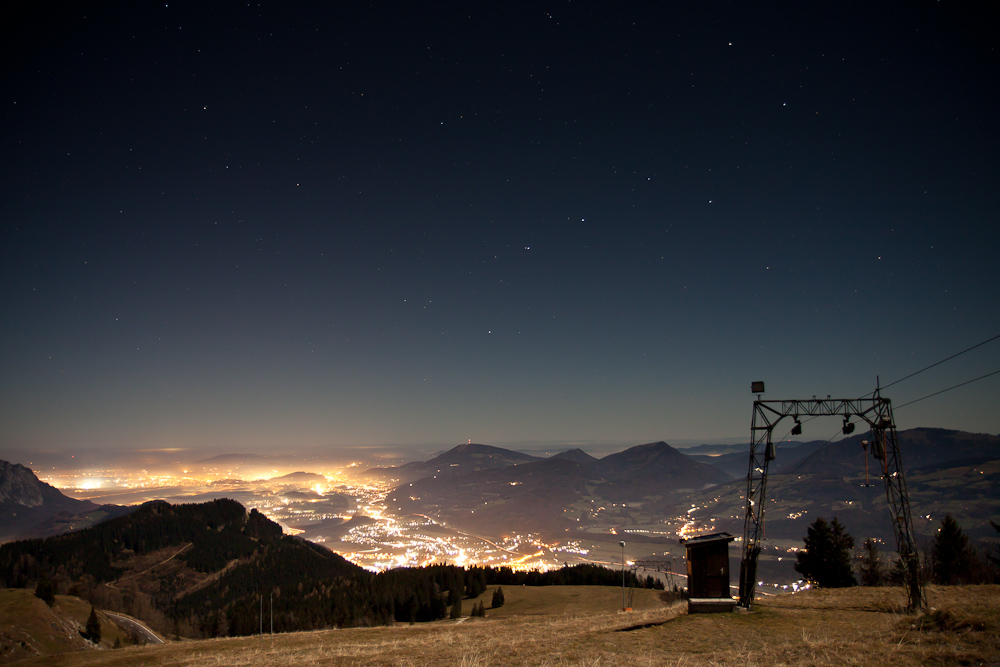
[{"x": 708, "y": 573}]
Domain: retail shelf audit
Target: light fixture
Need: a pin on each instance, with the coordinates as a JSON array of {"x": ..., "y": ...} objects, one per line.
[
  {"x": 848, "y": 426},
  {"x": 757, "y": 387},
  {"x": 797, "y": 429}
]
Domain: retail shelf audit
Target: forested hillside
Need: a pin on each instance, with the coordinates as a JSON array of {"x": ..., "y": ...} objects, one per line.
[{"x": 208, "y": 569}]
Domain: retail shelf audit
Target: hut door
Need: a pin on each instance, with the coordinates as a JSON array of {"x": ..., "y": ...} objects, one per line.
[{"x": 717, "y": 571}]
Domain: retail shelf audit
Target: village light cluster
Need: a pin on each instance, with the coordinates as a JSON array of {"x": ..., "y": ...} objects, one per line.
[
  {"x": 384, "y": 541},
  {"x": 381, "y": 539}
]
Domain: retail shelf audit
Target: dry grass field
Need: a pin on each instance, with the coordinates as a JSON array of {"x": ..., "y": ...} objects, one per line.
[
  {"x": 574, "y": 626},
  {"x": 29, "y": 627}
]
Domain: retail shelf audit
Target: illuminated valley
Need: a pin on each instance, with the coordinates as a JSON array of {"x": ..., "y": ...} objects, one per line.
[
  {"x": 349, "y": 507},
  {"x": 339, "y": 508}
]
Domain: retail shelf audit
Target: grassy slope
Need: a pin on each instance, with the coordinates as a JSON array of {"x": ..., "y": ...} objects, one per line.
[
  {"x": 28, "y": 627},
  {"x": 848, "y": 627}
]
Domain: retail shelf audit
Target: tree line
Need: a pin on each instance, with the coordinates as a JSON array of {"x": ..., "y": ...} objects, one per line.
[{"x": 950, "y": 559}]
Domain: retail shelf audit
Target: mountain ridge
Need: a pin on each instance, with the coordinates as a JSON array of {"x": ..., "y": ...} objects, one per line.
[
  {"x": 30, "y": 507},
  {"x": 577, "y": 455},
  {"x": 538, "y": 495},
  {"x": 459, "y": 459}
]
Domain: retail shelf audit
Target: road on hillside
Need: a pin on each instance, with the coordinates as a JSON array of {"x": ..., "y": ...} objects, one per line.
[{"x": 131, "y": 624}]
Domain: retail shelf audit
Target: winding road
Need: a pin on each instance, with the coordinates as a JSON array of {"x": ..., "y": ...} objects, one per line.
[
  {"x": 135, "y": 627},
  {"x": 131, "y": 624}
]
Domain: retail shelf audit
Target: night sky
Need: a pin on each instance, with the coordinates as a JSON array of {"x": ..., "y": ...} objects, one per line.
[{"x": 280, "y": 225}]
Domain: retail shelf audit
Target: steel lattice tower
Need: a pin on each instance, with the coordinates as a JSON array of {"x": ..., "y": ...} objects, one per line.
[{"x": 877, "y": 412}]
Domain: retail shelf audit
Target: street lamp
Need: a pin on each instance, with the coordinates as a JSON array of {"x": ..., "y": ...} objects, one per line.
[{"x": 622, "y": 545}]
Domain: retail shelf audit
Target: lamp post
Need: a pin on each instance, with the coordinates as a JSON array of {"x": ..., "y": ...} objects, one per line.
[{"x": 622, "y": 545}]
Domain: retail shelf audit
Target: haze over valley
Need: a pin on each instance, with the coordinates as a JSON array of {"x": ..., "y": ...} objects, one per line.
[{"x": 482, "y": 505}]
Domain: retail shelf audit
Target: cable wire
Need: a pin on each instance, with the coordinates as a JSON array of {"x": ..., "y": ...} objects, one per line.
[
  {"x": 961, "y": 384},
  {"x": 938, "y": 363},
  {"x": 787, "y": 475}
]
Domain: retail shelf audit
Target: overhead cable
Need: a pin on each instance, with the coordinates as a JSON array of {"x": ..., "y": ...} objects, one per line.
[
  {"x": 960, "y": 384},
  {"x": 938, "y": 363}
]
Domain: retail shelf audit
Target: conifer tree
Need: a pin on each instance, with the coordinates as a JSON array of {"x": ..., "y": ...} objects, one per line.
[
  {"x": 994, "y": 556},
  {"x": 45, "y": 590},
  {"x": 826, "y": 559},
  {"x": 871, "y": 570},
  {"x": 93, "y": 632},
  {"x": 955, "y": 561},
  {"x": 456, "y": 608},
  {"x": 497, "y": 598}
]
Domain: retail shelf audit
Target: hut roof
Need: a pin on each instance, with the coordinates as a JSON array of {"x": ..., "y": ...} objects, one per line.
[{"x": 707, "y": 539}]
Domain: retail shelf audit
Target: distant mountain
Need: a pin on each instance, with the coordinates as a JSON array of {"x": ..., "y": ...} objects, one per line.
[
  {"x": 498, "y": 501},
  {"x": 331, "y": 530},
  {"x": 735, "y": 463},
  {"x": 715, "y": 450},
  {"x": 297, "y": 478},
  {"x": 458, "y": 460},
  {"x": 653, "y": 469},
  {"x": 947, "y": 472},
  {"x": 31, "y": 508},
  {"x": 577, "y": 455},
  {"x": 919, "y": 448},
  {"x": 552, "y": 495}
]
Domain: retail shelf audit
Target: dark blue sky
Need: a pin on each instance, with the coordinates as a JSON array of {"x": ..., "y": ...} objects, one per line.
[{"x": 283, "y": 225}]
